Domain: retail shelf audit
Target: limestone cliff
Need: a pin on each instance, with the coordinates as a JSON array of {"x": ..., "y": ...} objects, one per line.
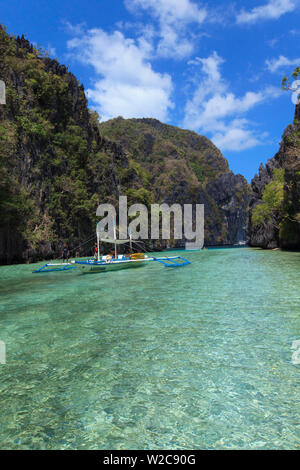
[
  {"x": 55, "y": 166},
  {"x": 184, "y": 167},
  {"x": 278, "y": 226}
]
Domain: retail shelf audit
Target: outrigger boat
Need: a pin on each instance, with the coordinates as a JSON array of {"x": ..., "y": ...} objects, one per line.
[{"x": 116, "y": 262}]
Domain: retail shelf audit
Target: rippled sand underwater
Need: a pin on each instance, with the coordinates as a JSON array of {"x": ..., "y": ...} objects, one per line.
[{"x": 202, "y": 357}]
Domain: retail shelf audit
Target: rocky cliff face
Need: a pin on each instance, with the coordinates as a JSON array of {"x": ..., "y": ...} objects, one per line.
[
  {"x": 184, "y": 167},
  {"x": 231, "y": 194},
  {"x": 57, "y": 164},
  {"x": 281, "y": 226}
]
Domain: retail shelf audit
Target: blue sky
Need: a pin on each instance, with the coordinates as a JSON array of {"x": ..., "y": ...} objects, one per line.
[{"x": 214, "y": 67}]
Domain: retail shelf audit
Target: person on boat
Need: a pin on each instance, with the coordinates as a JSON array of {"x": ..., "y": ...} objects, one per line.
[
  {"x": 65, "y": 253},
  {"x": 95, "y": 251}
]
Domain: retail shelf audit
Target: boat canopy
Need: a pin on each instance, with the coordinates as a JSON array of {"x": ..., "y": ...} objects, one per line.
[{"x": 114, "y": 241}]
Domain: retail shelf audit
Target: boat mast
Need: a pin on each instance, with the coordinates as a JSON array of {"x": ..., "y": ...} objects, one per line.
[
  {"x": 115, "y": 237},
  {"x": 130, "y": 236},
  {"x": 98, "y": 242}
]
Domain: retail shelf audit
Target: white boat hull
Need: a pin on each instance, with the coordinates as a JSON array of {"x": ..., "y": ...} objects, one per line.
[{"x": 114, "y": 265}]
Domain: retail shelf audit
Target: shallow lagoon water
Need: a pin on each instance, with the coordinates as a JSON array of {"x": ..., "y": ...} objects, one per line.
[{"x": 153, "y": 358}]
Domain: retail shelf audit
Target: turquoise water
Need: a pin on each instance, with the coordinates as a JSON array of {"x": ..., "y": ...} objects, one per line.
[{"x": 191, "y": 358}]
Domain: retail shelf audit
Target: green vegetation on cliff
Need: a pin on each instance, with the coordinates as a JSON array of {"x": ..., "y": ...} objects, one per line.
[
  {"x": 55, "y": 168},
  {"x": 58, "y": 163},
  {"x": 158, "y": 146},
  {"x": 272, "y": 200}
]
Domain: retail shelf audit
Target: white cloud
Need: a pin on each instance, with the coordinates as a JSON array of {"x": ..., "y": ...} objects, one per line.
[
  {"x": 173, "y": 17},
  {"x": 126, "y": 83},
  {"x": 215, "y": 110},
  {"x": 273, "y": 10},
  {"x": 282, "y": 62},
  {"x": 236, "y": 137},
  {"x": 173, "y": 44},
  {"x": 273, "y": 42},
  {"x": 75, "y": 30},
  {"x": 171, "y": 11},
  {"x": 210, "y": 66}
]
